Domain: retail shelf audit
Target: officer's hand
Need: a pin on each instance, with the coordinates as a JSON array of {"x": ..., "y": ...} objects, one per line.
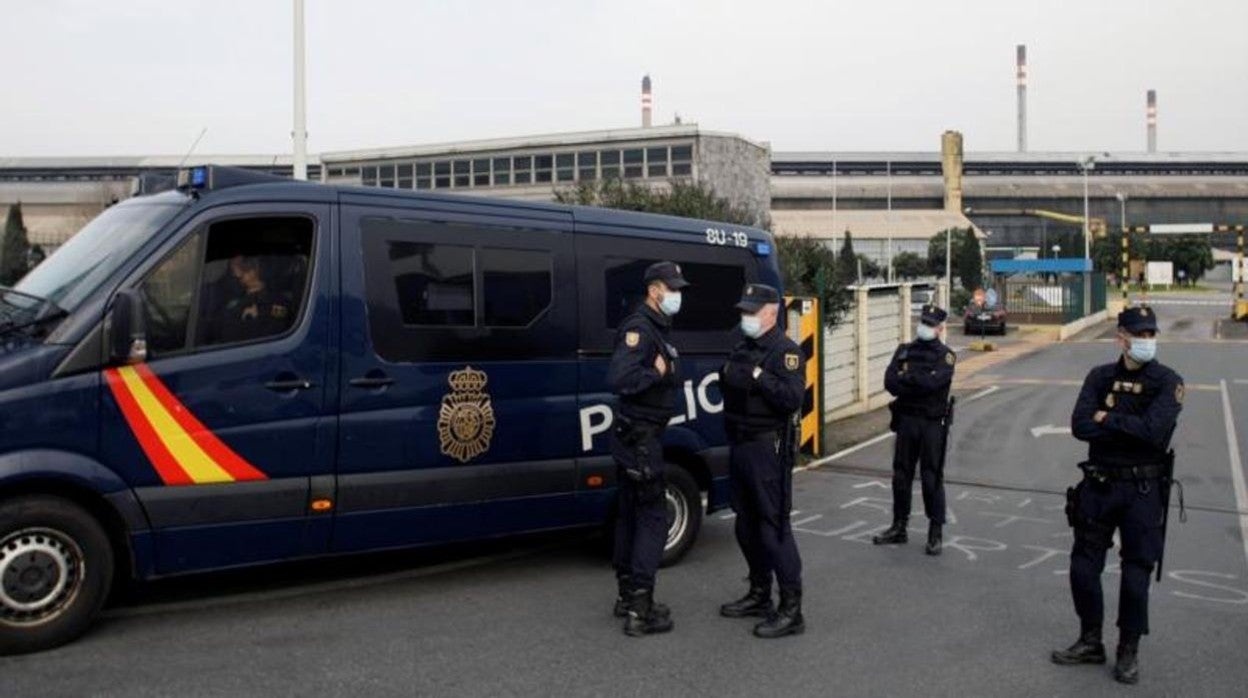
[
  {"x": 660, "y": 365},
  {"x": 251, "y": 312},
  {"x": 1100, "y": 416}
]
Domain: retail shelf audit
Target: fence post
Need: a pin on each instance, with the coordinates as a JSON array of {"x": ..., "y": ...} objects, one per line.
[
  {"x": 904, "y": 300},
  {"x": 862, "y": 327}
]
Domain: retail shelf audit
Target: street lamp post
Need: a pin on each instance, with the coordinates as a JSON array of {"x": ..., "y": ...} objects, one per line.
[
  {"x": 299, "y": 163},
  {"x": 1088, "y": 163}
]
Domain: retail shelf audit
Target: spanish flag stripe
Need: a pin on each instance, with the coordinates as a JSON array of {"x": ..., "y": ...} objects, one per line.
[
  {"x": 225, "y": 457},
  {"x": 188, "y": 454},
  {"x": 162, "y": 460}
]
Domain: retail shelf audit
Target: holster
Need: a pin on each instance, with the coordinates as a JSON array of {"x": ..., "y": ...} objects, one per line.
[
  {"x": 1072, "y": 506},
  {"x": 636, "y": 437}
]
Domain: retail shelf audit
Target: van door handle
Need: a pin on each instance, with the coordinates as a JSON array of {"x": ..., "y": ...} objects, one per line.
[
  {"x": 372, "y": 381},
  {"x": 288, "y": 385}
]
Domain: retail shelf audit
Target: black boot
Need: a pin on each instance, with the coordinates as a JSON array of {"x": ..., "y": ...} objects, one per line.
[
  {"x": 894, "y": 535},
  {"x": 933, "y": 539},
  {"x": 787, "y": 620},
  {"x": 642, "y": 617},
  {"x": 755, "y": 603},
  {"x": 1088, "y": 649},
  {"x": 1127, "y": 668},
  {"x": 621, "y": 602}
]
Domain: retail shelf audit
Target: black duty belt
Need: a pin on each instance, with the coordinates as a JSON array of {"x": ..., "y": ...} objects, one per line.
[
  {"x": 745, "y": 437},
  {"x": 1122, "y": 472}
]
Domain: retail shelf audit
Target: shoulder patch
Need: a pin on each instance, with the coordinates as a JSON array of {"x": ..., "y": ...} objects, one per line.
[
  {"x": 792, "y": 361},
  {"x": 950, "y": 358},
  {"x": 632, "y": 339},
  {"x": 1179, "y": 391},
  {"x": 278, "y": 311}
]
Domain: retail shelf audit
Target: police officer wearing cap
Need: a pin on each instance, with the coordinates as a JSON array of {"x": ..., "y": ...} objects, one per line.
[
  {"x": 919, "y": 377},
  {"x": 1127, "y": 412},
  {"x": 763, "y": 384},
  {"x": 645, "y": 377}
]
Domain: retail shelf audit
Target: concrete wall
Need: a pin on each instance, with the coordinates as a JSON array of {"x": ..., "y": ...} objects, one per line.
[{"x": 737, "y": 170}]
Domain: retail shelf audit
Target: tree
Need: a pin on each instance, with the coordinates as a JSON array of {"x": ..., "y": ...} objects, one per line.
[
  {"x": 685, "y": 199},
  {"x": 808, "y": 267},
  {"x": 13, "y": 248},
  {"x": 909, "y": 265},
  {"x": 870, "y": 268},
  {"x": 847, "y": 262},
  {"x": 968, "y": 261},
  {"x": 1193, "y": 254}
]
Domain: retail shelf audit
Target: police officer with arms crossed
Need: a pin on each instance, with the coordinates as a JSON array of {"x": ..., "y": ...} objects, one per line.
[
  {"x": 644, "y": 375},
  {"x": 1127, "y": 412},
  {"x": 919, "y": 376},
  {"x": 763, "y": 384}
]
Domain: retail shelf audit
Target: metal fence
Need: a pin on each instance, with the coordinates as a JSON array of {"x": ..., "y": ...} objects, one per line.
[{"x": 1055, "y": 301}]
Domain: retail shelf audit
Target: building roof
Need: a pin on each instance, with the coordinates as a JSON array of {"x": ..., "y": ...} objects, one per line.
[
  {"x": 1000, "y": 156},
  {"x": 869, "y": 224},
  {"x": 551, "y": 140},
  {"x": 145, "y": 161}
]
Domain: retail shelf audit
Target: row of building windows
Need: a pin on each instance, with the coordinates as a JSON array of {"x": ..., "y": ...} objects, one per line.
[{"x": 659, "y": 162}]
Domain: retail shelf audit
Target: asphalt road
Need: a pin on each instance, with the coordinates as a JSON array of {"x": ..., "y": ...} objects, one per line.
[{"x": 532, "y": 617}]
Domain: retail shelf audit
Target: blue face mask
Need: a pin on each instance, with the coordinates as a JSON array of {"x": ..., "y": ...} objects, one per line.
[
  {"x": 1143, "y": 349},
  {"x": 670, "y": 305},
  {"x": 751, "y": 326}
]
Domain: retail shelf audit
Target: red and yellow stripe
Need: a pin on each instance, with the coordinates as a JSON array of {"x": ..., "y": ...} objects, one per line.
[{"x": 182, "y": 450}]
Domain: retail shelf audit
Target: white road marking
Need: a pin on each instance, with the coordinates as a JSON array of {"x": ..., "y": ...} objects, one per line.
[
  {"x": 806, "y": 520},
  {"x": 846, "y": 452},
  {"x": 1048, "y": 430},
  {"x": 1241, "y": 381},
  {"x": 1237, "y": 469},
  {"x": 983, "y": 393}
]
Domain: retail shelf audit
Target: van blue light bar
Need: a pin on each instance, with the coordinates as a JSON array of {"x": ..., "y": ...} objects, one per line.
[{"x": 762, "y": 249}]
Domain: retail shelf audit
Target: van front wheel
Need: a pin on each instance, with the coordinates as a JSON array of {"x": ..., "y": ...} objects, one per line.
[
  {"x": 684, "y": 514},
  {"x": 56, "y": 566}
]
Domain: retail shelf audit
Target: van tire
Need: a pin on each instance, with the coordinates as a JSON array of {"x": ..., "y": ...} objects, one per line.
[
  {"x": 684, "y": 508},
  {"x": 56, "y": 569}
]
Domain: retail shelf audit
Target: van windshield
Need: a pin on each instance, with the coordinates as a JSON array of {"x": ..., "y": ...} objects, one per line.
[{"x": 72, "y": 273}]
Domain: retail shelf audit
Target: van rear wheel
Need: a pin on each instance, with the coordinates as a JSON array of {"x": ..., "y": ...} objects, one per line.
[
  {"x": 56, "y": 567},
  {"x": 684, "y": 514}
]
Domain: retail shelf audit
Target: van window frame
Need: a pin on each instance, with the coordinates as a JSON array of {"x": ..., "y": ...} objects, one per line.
[{"x": 203, "y": 223}]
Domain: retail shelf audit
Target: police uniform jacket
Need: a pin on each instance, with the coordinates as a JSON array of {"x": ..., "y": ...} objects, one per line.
[
  {"x": 644, "y": 395},
  {"x": 1143, "y": 408},
  {"x": 919, "y": 376},
  {"x": 754, "y": 406}
]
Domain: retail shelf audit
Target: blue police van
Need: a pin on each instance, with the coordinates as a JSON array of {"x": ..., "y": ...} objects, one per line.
[{"x": 248, "y": 369}]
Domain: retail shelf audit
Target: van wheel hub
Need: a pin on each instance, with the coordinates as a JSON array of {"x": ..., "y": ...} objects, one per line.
[{"x": 40, "y": 573}]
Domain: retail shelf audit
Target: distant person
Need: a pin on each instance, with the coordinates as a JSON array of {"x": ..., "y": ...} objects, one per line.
[
  {"x": 920, "y": 376},
  {"x": 1127, "y": 411},
  {"x": 256, "y": 310}
]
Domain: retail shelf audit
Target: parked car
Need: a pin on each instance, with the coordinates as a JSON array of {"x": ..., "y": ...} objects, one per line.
[{"x": 983, "y": 319}]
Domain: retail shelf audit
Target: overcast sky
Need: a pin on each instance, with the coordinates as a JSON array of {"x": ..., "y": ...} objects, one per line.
[{"x": 144, "y": 76}]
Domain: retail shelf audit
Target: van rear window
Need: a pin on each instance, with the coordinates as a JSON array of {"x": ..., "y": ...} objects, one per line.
[{"x": 706, "y": 306}]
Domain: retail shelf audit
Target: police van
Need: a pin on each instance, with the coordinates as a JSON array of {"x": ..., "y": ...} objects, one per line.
[{"x": 248, "y": 369}]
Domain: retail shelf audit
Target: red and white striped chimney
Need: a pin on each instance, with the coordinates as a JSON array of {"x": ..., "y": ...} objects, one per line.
[
  {"x": 1021, "y": 65},
  {"x": 1151, "y": 112},
  {"x": 646, "y": 102}
]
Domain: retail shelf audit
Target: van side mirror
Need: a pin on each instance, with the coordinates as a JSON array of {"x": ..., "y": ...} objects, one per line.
[{"x": 124, "y": 329}]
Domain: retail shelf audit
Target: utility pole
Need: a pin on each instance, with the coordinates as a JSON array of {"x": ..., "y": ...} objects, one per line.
[{"x": 300, "y": 132}]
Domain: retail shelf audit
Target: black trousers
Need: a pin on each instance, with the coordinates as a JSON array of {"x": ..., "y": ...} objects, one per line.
[
  {"x": 641, "y": 513},
  {"x": 762, "y": 497},
  {"x": 1134, "y": 509},
  {"x": 919, "y": 440}
]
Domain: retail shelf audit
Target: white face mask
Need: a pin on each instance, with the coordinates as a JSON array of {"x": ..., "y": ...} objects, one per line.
[
  {"x": 670, "y": 305},
  {"x": 925, "y": 332},
  {"x": 1143, "y": 349},
  {"x": 752, "y": 326}
]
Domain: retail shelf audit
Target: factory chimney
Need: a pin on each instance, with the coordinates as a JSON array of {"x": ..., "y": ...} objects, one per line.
[
  {"x": 1021, "y": 64},
  {"x": 645, "y": 102},
  {"x": 951, "y": 166},
  {"x": 1151, "y": 113}
]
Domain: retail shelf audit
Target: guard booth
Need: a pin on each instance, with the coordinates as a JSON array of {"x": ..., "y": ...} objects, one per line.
[
  {"x": 1048, "y": 291},
  {"x": 803, "y": 324}
]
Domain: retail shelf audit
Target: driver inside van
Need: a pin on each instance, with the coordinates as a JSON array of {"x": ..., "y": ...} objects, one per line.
[{"x": 256, "y": 310}]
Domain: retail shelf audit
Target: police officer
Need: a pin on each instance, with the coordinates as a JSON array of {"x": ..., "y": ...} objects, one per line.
[
  {"x": 763, "y": 384},
  {"x": 257, "y": 310},
  {"x": 644, "y": 375},
  {"x": 919, "y": 377},
  {"x": 1127, "y": 412}
]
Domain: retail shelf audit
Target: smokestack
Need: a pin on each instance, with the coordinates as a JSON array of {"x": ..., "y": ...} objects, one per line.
[
  {"x": 1152, "y": 121},
  {"x": 645, "y": 102},
  {"x": 951, "y": 165},
  {"x": 1021, "y": 64}
]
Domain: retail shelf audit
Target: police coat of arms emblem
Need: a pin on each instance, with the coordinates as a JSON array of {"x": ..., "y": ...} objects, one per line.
[{"x": 466, "y": 420}]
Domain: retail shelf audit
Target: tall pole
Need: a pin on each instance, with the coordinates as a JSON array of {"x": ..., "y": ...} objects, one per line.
[
  {"x": 1087, "y": 242},
  {"x": 948, "y": 268},
  {"x": 835, "y": 232},
  {"x": 1126, "y": 247},
  {"x": 888, "y": 219},
  {"x": 1239, "y": 261},
  {"x": 300, "y": 133}
]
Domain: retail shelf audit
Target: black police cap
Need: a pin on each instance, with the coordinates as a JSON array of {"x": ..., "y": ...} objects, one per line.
[
  {"x": 668, "y": 273},
  {"x": 932, "y": 315},
  {"x": 755, "y": 296},
  {"x": 1138, "y": 319}
]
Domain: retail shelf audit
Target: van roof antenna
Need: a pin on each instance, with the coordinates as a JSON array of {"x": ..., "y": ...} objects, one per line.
[{"x": 198, "y": 138}]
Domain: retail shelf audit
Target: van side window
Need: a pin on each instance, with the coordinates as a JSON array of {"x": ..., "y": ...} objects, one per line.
[
  {"x": 516, "y": 285},
  {"x": 168, "y": 294},
  {"x": 706, "y": 307},
  {"x": 238, "y": 281},
  {"x": 433, "y": 283}
]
